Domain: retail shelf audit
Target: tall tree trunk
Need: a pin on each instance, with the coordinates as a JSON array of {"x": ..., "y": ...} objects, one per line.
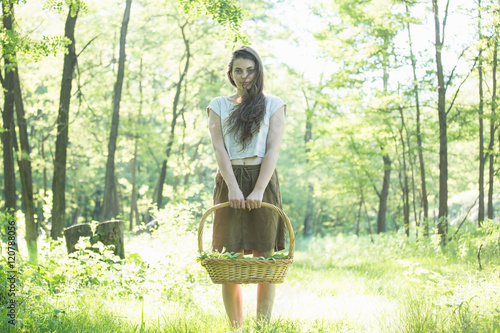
[
  {"x": 425, "y": 203},
  {"x": 59, "y": 178},
  {"x": 367, "y": 218},
  {"x": 384, "y": 194},
  {"x": 443, "y": 138},
  {"x": 358, "y": 217},
  {"x": 493, "y": 126},
  {"x": 406, "y": 197},
  {"x": 24, "y": 162},
  {"x": 361, "y": 203},
  {"x": 8, "y": 136},
  {"x": 412, "y": 159},
  {"x": 134, "y": 212},
  {"x": 307, "y": 138},
  {"x": 110, "y": 205},
  {"x": 42, "y": 218},
  {"x": 480, "y": 214},
  {"x": 175, "y": 114}
]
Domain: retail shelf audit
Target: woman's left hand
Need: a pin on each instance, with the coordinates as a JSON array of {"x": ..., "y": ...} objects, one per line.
[{"x": 254, "y": 199}]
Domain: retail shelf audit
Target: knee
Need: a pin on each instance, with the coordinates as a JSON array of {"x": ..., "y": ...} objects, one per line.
[{"x": 262, "y": 253}]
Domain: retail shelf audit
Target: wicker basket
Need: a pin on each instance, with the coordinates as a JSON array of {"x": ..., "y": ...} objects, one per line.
[{"x": 241, "y": 271}]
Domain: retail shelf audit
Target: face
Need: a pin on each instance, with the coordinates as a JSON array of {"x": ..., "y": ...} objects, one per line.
[{"x": 243, "y": 73}]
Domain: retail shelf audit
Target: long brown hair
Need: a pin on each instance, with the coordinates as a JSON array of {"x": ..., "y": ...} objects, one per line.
[{"x": 247, "y": 117}]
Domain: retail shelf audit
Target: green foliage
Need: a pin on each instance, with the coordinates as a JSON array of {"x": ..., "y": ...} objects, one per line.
[
  {"x": 483, "y": 242},
  {"x": 34, "y": 49},
  {"x": 336, "y": 284},
  {"x": 237, "y": 256},
  {"x": 38, "y": 49},
  {"x": 3, "y": 281},
  {"x": 60, "y": 5},
  {"x": 226, "y": 13},
  {"x": 353, "y": 121},
  {"x": 182, "y": 217}
]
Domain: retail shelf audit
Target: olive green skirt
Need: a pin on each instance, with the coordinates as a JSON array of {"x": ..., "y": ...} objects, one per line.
[{"x": 255, "y": 230}]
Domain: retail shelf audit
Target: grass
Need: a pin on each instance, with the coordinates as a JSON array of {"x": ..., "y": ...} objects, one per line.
[{"x": 336, "y": 284}]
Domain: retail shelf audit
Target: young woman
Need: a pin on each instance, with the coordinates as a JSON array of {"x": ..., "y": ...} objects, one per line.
[{"x": 246, "y": 130}]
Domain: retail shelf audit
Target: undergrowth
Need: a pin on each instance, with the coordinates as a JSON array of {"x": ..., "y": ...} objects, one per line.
[{"x": 336, "y": 284}]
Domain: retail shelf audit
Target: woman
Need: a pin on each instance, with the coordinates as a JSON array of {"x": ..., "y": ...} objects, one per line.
[{"x": 246, "y": 130}]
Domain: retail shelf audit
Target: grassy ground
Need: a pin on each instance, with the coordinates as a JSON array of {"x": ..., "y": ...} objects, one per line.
[{"x": 336, "y": 284}]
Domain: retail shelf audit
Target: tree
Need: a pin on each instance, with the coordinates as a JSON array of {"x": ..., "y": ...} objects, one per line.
[
  {"x": 8, "y": 133},
  {"x": 307, "y": 141},
  {"x": 110, "y": 207},
  {"x": 404, "y": 184},
  {"x": 443, "y": 138},
  {"x": 425, "y": 203},
  {"x": 480, "y": 215},
  {"x": 59, "y": 178},
  {"x": 443, "y": 111},
  {"x": 493, "y": 122},
  {"x": 176, "y": 113},
  {"x": 24, "y": 162},
  {"x": 23, "y": 155},
  {"x": 364, "y": 51},
  {"x": 134, "y": 211}
]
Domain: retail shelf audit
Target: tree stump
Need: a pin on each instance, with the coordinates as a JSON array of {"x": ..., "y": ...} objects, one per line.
[
  {"x": 72, "y": 235},
  {"x": 111, "y": 233},
  {"x": 108, "y": 233}
]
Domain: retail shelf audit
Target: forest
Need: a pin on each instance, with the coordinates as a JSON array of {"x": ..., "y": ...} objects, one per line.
[{"x": 389, "y": 165}]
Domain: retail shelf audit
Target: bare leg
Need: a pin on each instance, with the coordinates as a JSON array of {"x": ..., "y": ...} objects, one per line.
[
  {"x": 265, "y": 296},
  {"x": 233, "y": 302}
]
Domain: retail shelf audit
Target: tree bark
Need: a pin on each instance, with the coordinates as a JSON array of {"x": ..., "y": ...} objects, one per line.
[
  {"x": 493, "y": 127},
  {"x": 59, "y": 178},
  {"x": 42, "y": 221},
  {"x": 412, "y": 159},
  {"x": 425, "y": 203},
  {"x": 110, "y": 205},
  {"x": 108, "y": 233},
  {"x": 384, "y": 194},
  {"x": 134, "y": 212},
  {"x": 442, "y": 225},
  {"x": 361, "y": 203},
  {"x": 480, "y": 214},
  {"x": 8, "y": 136},
  {"x": 406, "y": 197},
  {"x": 24, "y": 162},
  {"x": 175, "y": 114}
]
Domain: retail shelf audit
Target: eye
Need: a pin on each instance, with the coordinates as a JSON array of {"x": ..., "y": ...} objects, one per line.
[
  {"x": 238, "y": 71},
  {"x": 251, "y": 70}
]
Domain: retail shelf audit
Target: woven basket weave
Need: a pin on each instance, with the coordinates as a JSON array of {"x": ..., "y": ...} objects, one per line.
[{"x": 242, "y": 271}]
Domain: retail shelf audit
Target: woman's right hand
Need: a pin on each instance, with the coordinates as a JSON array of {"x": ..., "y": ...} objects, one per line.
[{"x": 236, "y": 198}]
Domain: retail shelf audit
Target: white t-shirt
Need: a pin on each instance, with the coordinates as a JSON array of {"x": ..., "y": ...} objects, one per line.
[{"x": 257, "y": 146}]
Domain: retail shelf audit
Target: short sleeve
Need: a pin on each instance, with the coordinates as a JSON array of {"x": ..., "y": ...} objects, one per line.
[
  {"x": 276, "y": 103},
  {"x": 215, "y": 106}
]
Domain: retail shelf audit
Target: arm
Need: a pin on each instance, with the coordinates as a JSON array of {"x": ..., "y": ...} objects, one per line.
[
  {"x": 274, "y": 137},
  {"x": 235, "y": 196}
]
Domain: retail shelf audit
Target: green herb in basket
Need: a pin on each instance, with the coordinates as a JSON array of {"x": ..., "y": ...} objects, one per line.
[{"x": 237, "y": 256}]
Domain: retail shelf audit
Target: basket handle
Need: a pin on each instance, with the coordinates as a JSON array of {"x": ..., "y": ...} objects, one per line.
[{"x": 264, "y": 204}]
